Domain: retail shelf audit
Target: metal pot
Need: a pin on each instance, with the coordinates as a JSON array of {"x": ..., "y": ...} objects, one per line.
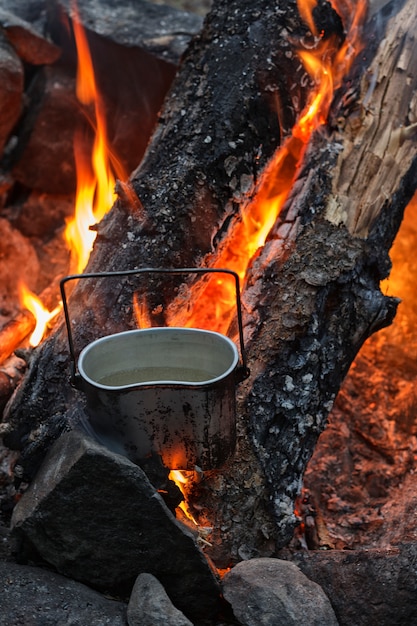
[
  {"x": 165, "y": 391},
  {"x": 169, "y": 391}
]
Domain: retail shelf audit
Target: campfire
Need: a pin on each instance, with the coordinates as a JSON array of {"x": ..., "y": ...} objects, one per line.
[{"x": 264, "y": 217}]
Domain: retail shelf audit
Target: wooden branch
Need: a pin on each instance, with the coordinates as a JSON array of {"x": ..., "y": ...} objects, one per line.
[
  {"x": 323, "y": 277},
  {"x": 13, "y": 334}
]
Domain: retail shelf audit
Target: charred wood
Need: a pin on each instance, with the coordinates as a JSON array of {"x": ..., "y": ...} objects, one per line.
[
  {"x": 187, "y": 195},
  {"x": 14, "y": 333},
  {"x": 290, "y": 400},
  {"x": 11, "y": 374}
]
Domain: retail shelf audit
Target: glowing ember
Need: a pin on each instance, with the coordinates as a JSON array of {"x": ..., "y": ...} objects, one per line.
[
  {"x": 42, "y": 316},
  {"x": 95, "y": 179},
  {"x": 180, "y": 479},
  {"x": 327, "y": 64}
]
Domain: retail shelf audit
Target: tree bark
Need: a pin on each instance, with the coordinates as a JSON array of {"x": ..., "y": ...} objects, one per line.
[
  {"x": 311, "y": 296},
  {"x": 176, "y": 206},
  {"x": 352, "y": 201}
]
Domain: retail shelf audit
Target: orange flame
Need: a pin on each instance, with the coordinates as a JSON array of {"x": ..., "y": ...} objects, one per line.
[
  {"x": 95, "y": 180},
  {"x": 42, "y": 316},
  {"x": 305, "y": 9},
  {"x": 141, "y": 312},
  {"x": 327, "y": 65},
  {"x": 180, "y": 479}
]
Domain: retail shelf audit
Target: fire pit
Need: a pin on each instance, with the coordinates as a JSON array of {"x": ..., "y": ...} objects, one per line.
[{"x": 289, "y": 201}]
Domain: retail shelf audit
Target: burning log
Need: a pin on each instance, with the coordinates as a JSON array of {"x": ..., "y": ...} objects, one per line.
[
  {"x": 15, "y": 332},
  {"x": 172, "y": 180},
  {"x": 30, "y": 323},
  {"x": 311, "y": 293}
]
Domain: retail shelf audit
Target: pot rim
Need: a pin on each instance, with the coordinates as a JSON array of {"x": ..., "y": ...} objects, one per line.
[{"x": 158, "y": 383}]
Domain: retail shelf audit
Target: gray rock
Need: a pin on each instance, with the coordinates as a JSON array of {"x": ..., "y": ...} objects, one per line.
[
  {"x": 11, "y": 89},
  {"x": 150, "y": 605},
  {"x": 28, "y": 42},
  {"x": 273, "y": 592},
  {"x": 132, "y": 82},
  {"x": 95, "y": 517},
  {"x": 14, "y": 245},
  {"x": 34, "y": 596},
  {"x": 45, "y": 159},
  {"x": 161, "y": 30},
  {"x": 32, "y": 11},
  {"x": 367, "y": 587}
]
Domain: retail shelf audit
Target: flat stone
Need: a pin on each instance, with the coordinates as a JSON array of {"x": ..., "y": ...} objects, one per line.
[
  {"x": 45, "y": 159},
  {"x": 150, "y": 605},
  {"x": 29, "y": 43},
  {"x": 374, "y": 586},
  {"x": 31, "y": 596},
  {"x": 161, "y": 30},
  {"x": 95, "y": 517},
  {"x": 272, "y": 592}
]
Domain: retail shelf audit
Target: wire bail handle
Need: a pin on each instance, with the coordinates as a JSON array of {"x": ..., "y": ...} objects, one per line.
[{"x": 243, "y": 369}]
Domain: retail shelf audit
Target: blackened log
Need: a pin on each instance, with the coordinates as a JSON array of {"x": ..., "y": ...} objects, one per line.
[
  {"x": 187, "y": 194},
  {"x": 355, "y": 183},
  {"x": 312, "y": 295}
]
